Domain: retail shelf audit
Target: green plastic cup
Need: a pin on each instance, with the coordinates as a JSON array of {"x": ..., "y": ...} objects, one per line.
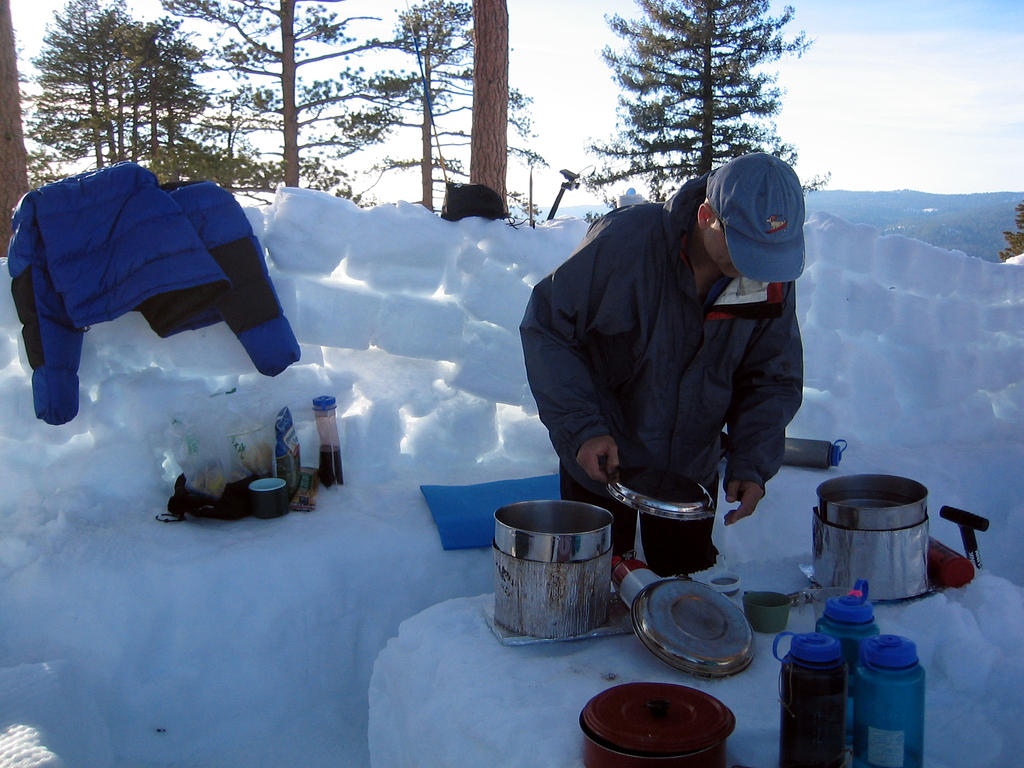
[{"x": 766, "y": 611}]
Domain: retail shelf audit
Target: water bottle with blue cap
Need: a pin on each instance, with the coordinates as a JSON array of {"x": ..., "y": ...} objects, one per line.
[
  {"x": 812, "y": 698},
  {"x": 888, "y": 714},
  {"x": 817, "y": 454},
  {"x": 851, "y": 620}
]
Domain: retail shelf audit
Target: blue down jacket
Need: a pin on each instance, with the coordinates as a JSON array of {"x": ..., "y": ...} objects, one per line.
[
  {"x": 92, "y": 247},
  {"x": 616, "y": 341}
]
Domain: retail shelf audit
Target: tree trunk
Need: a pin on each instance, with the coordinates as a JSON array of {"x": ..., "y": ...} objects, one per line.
[
  {"x": 122, "y": 120},
  {"x": 707, "y": 83},
  {"x": 13, "y": 171},
  {"x": 488, "y": 161},
  {"x": 154, "y": 136},
  {"x": 95, "y": 122},
  {"x": 427, "y": 155},
  {"x": 289, "y": 113}
]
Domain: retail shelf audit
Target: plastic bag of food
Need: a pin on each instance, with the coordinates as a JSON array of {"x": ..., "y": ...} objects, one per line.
[
  {"x": 286, "y": 450},
  {"x": 224, "y": 438}
]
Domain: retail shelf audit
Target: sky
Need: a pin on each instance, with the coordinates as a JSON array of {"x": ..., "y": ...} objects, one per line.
[
  {"x": 347, "y": 636},
  {"x": 910, "y": 95}
]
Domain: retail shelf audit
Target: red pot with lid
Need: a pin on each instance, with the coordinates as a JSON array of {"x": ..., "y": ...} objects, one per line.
[{"x": 639, "y": 725}]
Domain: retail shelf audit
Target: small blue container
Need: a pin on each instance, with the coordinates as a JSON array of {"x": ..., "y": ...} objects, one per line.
[
  {"x": 851, "y": 620},
  {"x": 888, "y": 710}
]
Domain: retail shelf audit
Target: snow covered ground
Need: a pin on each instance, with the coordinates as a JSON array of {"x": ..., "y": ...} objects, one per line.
[{"x": 129, "y": 642}]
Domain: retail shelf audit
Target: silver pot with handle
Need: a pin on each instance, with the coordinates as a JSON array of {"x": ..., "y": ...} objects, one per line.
[
  {"x": 552, "y": 567},
  {"x": 872, "y": 527}
]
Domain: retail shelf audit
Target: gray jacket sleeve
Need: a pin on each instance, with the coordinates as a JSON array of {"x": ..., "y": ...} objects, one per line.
[
  {"x": 768, "y": 389},
  {"x": 589, "y": 296}
]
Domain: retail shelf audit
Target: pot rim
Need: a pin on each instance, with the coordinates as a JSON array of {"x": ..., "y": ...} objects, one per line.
[
  {"x": 872, "y": 502},
  {"x": 700, "y": 509},
  {"x": 532, "y": 530}
]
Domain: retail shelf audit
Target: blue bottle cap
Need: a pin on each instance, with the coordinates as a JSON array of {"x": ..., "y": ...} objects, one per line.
[
  {"x": 812, "y": 648},
  {"x": 324, "y": 403},
  {"x": 888, "y": 652},
  {"x": 853, "y": 608},
  {"x": 835, "y": 453}
]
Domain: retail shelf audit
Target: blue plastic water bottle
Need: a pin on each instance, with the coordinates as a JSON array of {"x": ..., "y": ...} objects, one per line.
[
  {"x": 812, "y": 698},
  {"x": 851, "y": 620},
  {"x": 888, "y": 710}
]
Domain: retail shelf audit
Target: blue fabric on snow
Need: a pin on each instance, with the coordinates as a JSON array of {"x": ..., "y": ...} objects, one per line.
[{"x": 464, "y": 514}]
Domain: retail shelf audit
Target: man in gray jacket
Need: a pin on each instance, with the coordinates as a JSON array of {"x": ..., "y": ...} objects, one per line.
[{"x": 668, "y": 324}]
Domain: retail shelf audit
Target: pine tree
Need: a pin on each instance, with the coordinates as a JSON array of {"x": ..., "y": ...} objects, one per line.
[
  {"x": 13, "y": 172},
  {"x": 1015, "y": 240},
  {"x": 695, "y": 91},
  {"x": 223, "y": 151},
  {"x": 167, "y": 99},
  {"x": 114, "y": 89},
  {"x": 81, "y": 83},
  {"x": 319, "y": 121},
  {"x": 438, "y": 34},
  {"x": 437, "y": 100}
]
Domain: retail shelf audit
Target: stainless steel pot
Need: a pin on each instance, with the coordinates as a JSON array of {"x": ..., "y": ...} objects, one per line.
[
  {"x": 552, "y": 568},
  {"x": 872, "y": 527},
  {"x": 552, "y": 531},
  {"x": 686, "y": 624}
]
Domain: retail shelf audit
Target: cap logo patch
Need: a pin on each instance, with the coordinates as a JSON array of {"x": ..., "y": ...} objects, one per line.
[{"x": 775, "y": 224}]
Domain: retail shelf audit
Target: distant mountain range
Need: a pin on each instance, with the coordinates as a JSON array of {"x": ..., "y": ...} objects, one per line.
[{"x": 971, "y": 223}]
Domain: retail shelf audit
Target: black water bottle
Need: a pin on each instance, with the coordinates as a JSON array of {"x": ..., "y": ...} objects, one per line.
[{"x": 812, "y": 698}]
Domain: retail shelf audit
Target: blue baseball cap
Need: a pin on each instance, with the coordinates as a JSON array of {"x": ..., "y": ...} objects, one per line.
[{"x": 759, "y": 200}]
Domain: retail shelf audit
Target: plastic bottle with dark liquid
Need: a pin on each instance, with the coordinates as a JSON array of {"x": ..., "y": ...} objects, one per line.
[
  {"x": 812, "y": 697},
  {"x": 325, "y": 411}
]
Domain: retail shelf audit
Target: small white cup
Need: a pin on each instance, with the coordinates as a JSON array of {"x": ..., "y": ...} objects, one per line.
[{"x": 725, "y": 582}]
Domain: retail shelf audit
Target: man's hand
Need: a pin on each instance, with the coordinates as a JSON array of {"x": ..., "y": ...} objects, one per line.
[
  {"x": 590, "y": 456},
  {"x": 747, "y": 493}
]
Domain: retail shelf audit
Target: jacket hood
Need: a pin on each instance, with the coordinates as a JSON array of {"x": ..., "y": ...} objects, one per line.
[{"x": 681, "y": 208}]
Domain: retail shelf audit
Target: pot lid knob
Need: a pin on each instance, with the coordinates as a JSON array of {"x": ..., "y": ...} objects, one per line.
[{"x": 658, "y": 707}]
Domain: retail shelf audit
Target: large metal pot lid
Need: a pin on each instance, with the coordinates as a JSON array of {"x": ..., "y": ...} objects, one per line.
[
  {"x": 657, "y": 719},
  {"x": 691, "y": 627},
  {"x": 663, "y": 493}
]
